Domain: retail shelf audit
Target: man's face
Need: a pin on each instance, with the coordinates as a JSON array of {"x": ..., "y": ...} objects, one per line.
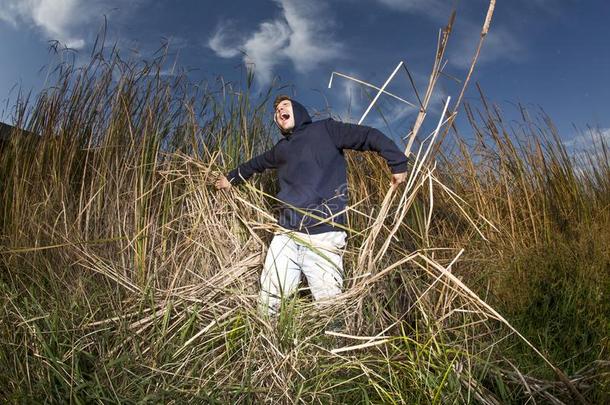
[{"x": 284, "y": 116}]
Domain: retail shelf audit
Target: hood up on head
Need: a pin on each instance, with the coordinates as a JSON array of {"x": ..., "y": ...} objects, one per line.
[{"x": 301, "y": 117}]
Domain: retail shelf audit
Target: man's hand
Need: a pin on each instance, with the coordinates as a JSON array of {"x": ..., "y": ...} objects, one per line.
[
  {"x": 399, "y": 178},
  {"x": 222, "y": 183}
]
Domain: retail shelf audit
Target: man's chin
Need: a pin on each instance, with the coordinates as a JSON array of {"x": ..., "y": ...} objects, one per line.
[{"x": 286, "y": 130}]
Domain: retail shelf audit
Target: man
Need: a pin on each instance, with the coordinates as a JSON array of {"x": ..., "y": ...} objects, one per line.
[{"x": 312, "y": 175}]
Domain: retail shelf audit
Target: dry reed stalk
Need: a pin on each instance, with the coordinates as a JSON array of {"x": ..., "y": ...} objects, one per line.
[
  {"x": 441, "y": 46},
  {"x": 475, "y": 58}
]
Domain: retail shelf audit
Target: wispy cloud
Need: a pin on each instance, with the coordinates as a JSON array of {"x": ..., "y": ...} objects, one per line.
[
  {"x": 589, "y": 148},
  {"x": 348, "y": 100},
  {"x": 55, "y": 18},
  {"x": 67, "y": 21},
  {"x": 301, "y": 34},
  {"x": 398, "y": 117},
  {"x": 435, "y": 8},
  {"x": 310, "y": 42},
  {"x": 352, "y": 99},
  {"x": 589, "y": 139},
  {"x": 500, "y": 44},
  {"x": 266, "y": 48},
  {"x": 226, "y": 40}
]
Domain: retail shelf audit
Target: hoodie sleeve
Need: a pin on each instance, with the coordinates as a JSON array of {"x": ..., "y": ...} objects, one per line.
[
  {"x": 363, "y": 138},
  {"x": 257, "y": 164}
]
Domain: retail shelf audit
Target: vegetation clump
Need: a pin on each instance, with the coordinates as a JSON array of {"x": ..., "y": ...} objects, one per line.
[{"x": 126, "y": 278}]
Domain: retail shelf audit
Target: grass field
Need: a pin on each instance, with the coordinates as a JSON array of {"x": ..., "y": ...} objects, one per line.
[{"x": 125, "y": 277}]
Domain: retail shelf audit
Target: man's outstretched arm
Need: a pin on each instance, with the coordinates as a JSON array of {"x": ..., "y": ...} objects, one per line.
[
  {"x": 364, "y": 138},
  {"x": 243, "y": 172}
]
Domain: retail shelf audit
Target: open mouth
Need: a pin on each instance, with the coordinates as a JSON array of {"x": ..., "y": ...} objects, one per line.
[{"x": 284, "y": 116}]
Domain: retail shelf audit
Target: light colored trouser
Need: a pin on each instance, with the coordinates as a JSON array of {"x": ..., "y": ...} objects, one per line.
[{"x": 319, "y": 257}]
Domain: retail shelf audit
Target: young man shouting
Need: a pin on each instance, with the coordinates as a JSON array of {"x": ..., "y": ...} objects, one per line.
[{"x": 311, "y": 167}]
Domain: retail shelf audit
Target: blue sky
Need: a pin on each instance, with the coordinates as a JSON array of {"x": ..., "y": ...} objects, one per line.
[{"x": 552, "y": 54}]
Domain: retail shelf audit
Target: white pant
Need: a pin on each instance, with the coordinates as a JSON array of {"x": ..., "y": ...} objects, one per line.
[{"x": 319, "y": 257}]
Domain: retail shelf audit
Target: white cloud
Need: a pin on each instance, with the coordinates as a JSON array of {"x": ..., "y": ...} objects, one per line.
[
  {"x": 353, "y": 99},
  {"x": 590, "y": 139},
  {"x": 299, "y": 35},
  {"x": 400, "y": 117},
  {"x": 67, "y": 21},
  {"x": 54, "y": 18},
  {"x": 499, "y": 44},
  {"x": 225, "y": 41},
  {"x": 348, "y": 104},
  {"x": 430, "y": 7},
  {"x": 589, "y": 149},
  {"x": 265, "y": 48},
  {"x": 309, "y": 41}
]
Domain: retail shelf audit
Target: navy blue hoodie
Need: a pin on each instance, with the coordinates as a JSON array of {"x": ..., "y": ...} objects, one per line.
[{"x": 311, "y": 168}]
